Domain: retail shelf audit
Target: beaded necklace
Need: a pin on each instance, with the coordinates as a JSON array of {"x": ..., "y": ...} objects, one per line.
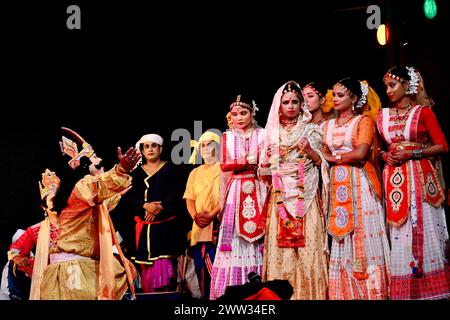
[
  {"x": 345, "y": 122},
  {"x": 400, "y": 121}
]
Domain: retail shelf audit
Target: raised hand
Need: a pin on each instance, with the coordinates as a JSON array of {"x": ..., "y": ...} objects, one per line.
[{"x": 128, "y": 160}]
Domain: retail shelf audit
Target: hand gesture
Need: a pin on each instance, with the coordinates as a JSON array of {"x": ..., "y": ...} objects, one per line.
[
  {"x": 128, "y": 160},
  {"x": 303, "y": 145},
  {"x": 400, "y": 155},
  {"x": 149, "y": 217},
  {"x": 202, "y": 219},
  {"x": 389, "y": 158},
  {"x": 153, "y": 207},
  {"x": 21, "y": 262}
]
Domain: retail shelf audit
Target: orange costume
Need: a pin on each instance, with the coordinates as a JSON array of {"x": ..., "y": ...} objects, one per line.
[
  {"x": 83, "y": 248},
  {"x": 359, "y": 263}
]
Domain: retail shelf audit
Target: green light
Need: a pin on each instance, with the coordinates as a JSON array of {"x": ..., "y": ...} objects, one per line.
[{"x": 430, "y": 9}]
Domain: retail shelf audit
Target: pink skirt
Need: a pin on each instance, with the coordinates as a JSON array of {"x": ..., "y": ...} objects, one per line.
[{"x": 158, "y": 275}]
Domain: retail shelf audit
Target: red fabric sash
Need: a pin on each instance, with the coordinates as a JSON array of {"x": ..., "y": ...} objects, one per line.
[
  {"x": 398, "y": 191},
  {"x": 140, "y": 224},
  {"x": 398, "y": 188},
  {"x": 291, "y": 231},
  {"x": 432, "y": 189},
  {"x": 249, "y": 213}
]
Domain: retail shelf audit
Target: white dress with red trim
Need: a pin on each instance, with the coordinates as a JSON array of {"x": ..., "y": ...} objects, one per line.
[
  {"x": 239, "y": 247},
  {"x": 359, "y": 262},
  {"x": 415, "y": 214}
]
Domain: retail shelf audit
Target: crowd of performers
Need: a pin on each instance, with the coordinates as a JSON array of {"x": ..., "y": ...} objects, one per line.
[{"x": 340, "y": 197}]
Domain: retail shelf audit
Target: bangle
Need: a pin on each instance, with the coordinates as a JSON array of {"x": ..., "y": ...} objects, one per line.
[
  {"x": 416, "y": 153},
  {"x": 338, "y": 158}
]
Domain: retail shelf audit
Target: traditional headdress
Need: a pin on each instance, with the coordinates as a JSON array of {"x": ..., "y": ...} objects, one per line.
[
  {"x": 273, "y": 120},
  {"x": 70, "y": 148},
  {"x": 292, "y": 86},
  {"x": 155, "y": 138},
  {"x": 244, "y": 103},
  {"x": 318, "y": 88},
  {"x": 149, "y": 138},
  {"x": 358, "y": 88},
  {"x": 49, "y": 183},
  {"x": 368, "y": 104},
  {"x": 207, "y": 136},
  {"x": 405, "y": 74}
]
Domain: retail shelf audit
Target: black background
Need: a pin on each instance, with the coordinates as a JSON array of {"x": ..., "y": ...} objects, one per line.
[{"x": 138, "y": 67}]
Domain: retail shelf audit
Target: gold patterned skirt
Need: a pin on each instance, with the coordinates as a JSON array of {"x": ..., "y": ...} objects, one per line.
[
  {"x": 305, "y": 267},
  {"x": 78, "y": 280}
]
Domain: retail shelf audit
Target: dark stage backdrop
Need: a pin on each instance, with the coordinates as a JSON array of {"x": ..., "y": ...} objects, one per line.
[{"x": 134, "y": 69}]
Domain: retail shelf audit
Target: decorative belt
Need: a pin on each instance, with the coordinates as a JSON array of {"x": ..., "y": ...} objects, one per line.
[
  {"x": 243, "y": 176},
  {"x": 138, "y": 219},
  {"x": 65, "y": 256},
  {"x": 407, "y": 145}
]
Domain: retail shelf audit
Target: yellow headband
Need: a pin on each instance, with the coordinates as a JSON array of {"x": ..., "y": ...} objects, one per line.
[{"x": 207, "y": 136}]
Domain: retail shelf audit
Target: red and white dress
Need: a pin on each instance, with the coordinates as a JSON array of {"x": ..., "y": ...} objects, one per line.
[
  {"x": 239, "y": 247},
  {"x": 415, "y": 214}
]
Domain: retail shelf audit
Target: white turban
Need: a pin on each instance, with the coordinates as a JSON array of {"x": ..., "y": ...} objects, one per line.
[{"x": 150, "y": 138}]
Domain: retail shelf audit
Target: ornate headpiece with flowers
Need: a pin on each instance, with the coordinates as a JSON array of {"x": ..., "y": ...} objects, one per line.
[{"x": 405, "y": 74}]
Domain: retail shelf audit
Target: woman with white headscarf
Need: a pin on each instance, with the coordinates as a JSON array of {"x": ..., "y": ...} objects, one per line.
[{"x": 295, "y": 245}]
